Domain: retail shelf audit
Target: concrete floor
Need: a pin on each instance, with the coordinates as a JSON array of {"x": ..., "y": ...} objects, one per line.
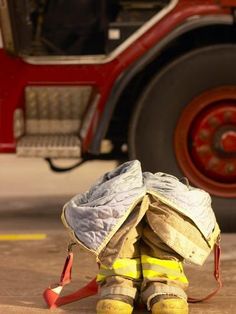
[{"x": 31, "y": 198}]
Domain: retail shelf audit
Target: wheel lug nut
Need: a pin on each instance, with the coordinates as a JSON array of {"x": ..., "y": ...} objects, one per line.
[
  {"x": 213, "y": 122},
  {"x": 204, "y": 149},
  {"x": 229, "y": 168},
  {"x": 227, "y": 116},
  {"x": 213, "y": 162},
  {"x": 204, "y": 134}
]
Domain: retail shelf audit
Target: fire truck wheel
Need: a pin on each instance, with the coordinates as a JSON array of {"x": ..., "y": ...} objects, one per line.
[{"x": 185, "y": 124}]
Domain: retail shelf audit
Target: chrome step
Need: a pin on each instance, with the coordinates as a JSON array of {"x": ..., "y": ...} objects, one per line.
[
  {"x": 49, "y": 124},
  {"x": 49, "y": 146},
  {"x": 55, "y": 109}
]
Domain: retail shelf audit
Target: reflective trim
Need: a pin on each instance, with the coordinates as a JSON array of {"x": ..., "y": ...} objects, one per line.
[
  {"x": 123, "y": 262},
  {"x": 145, "y": 259},
  {"x": 149, "y": 274},
  {"x": 156, "y": 268},
  {"x": 122, "y": 267},
  {"x": 150, "y": 271}
]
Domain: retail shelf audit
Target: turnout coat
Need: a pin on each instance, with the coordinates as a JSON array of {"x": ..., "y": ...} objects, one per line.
[{"x": 94, "y": 218}]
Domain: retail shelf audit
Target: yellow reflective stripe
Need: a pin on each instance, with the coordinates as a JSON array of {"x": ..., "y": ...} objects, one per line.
[
  {"x": 163, "y": 270},
  {"x": 145, "y": 259},
  {"x": 156, "y": 268},
  {"x": 122, "y": 267},
  {"x": 151, "y": 274},
  {"x": 123, "y": 262},
  {"x": 100, "y": 278}
]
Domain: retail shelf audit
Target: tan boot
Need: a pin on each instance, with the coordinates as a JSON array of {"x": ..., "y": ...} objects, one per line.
[
  {"x": 109, "y": 306},
  {"x": 170, "y": 306}
]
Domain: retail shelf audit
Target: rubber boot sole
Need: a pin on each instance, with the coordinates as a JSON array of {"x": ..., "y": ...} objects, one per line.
[
  {"x": 170, "y": 306},
  {"x": 108, "y": 306}
]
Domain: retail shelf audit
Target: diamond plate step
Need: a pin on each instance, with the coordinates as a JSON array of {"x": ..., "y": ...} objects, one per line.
[
  {"x": 49, "y": 146},
  {"x": 55, "y": 109}
]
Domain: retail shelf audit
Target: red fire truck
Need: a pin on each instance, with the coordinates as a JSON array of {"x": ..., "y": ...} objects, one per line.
[{"x": 153, "y": 80}]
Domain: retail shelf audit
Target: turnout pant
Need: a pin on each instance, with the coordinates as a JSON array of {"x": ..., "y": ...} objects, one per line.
[{"x": 145, "y": 266}]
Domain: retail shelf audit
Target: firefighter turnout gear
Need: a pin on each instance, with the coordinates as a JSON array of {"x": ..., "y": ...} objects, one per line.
[
  {"x": 156, "y": 272},
  {"x": 142, "y": 227}
]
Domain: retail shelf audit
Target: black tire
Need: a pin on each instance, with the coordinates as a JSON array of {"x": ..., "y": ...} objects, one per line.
[{"x": 157, "y": 112}]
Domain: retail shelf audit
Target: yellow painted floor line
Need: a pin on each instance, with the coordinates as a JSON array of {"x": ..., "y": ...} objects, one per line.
[{"x": 22, "y": 237}]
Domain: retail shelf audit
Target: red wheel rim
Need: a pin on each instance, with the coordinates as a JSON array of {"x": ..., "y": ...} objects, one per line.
[{"x": 205, "y": 141}]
